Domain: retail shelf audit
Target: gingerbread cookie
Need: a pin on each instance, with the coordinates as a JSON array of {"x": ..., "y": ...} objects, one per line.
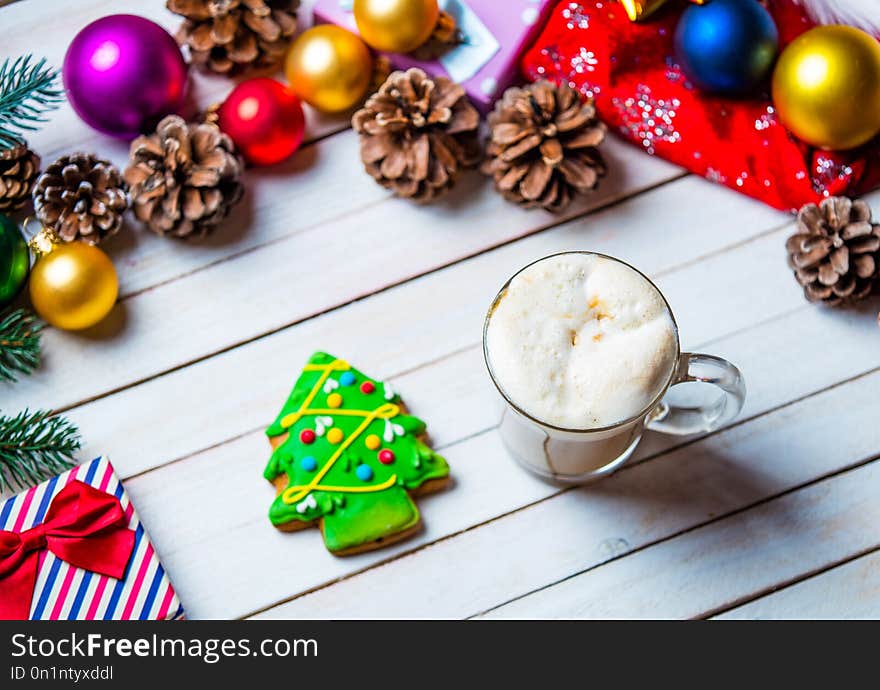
[{"x": 347, "y": 457}]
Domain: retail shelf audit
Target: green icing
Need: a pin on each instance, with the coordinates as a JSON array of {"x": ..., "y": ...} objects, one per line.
[{"x": 350, "y": 519}]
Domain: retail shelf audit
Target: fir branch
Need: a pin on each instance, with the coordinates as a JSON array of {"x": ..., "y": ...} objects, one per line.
[
  {"x": 27, "y": 90},
  {"x": 19, "y": 344},
  {"x": 33, "y": 446}
]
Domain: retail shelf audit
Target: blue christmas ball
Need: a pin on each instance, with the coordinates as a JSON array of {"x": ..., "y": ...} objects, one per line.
[{"x": 727, "y": 46}]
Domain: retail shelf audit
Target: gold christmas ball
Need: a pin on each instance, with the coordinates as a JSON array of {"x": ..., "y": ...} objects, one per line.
[
  {"x": 73, "y": 286},
  {"x": 396, "y": 26},
  {"x": 329, "y": 68},
  {"x": 826, "y": 87}
]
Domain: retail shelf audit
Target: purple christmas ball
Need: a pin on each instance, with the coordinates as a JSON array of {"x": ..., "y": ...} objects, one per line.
[{"x": 123, "y": 74}]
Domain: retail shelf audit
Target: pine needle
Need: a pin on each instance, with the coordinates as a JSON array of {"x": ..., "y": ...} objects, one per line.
[
  {"x": 19, "y": 344},
  {"x": 27, "y": 91},
  {"x": 34, "y": 446}
]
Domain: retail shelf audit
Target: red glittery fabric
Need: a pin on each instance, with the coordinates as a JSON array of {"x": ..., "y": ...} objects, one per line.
[{"x": 639, "y": 90}]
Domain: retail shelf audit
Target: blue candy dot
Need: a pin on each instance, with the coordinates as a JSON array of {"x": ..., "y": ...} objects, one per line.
[
  {"x": 308, "y": 463},
  {"x": 364, "y": 473},
  {"x": 347, "y": 378}
]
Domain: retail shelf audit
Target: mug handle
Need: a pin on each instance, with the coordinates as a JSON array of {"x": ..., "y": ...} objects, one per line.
[{"x": 683, "y": 419}]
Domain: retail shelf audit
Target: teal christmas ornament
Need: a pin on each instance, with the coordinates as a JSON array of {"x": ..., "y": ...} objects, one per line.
[
  {"x": 15, "y": 260},
  {"x": 727, "y": 46}
]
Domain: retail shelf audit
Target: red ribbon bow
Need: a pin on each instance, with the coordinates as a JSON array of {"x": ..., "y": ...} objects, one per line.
[{"x": 84, "y": 527}]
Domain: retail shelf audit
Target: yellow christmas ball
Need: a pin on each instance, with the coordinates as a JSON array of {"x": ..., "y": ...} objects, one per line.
[
  {"x": 73, "y": 286},
  {"x": 826, "y": 87},
  {"x": 396, "y": 26},
  {"x": 329, "y": 68}
]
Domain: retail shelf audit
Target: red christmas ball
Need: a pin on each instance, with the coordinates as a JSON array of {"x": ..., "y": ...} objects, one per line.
[
  {"x": 265, "y": 120},
  {"x": 386, "y": 456}
]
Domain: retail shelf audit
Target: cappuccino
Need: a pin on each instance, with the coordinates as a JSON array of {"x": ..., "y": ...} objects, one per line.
[{"x": 581, "y": 341}]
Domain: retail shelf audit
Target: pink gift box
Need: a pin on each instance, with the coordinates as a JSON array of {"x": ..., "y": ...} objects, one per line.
[
  {"x": 65, "y": 592},
  {"x": 496, "y": 34}
]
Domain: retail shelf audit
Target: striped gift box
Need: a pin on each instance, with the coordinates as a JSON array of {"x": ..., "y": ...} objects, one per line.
[{"x": 65, "y": 592}]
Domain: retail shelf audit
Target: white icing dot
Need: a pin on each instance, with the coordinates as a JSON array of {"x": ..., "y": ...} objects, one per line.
[
  {"x": 530, "y": 15},
  {"x": 489, "y": 85}
]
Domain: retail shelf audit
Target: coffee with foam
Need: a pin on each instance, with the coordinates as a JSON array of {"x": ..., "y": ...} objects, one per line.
[{"x": 581, "y": 341}]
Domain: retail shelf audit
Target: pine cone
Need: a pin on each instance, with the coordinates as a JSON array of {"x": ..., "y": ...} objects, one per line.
[
  {"x": 227, "y": 36},
  {"x": 19, "y": 167},
  {"x": 417, "y": 134},
  {"x": 835, "y": 252},
  {"x": 81, "y": 197},
  {"x": 542, "y": 145},
  {"x": 184, "y": 179}
]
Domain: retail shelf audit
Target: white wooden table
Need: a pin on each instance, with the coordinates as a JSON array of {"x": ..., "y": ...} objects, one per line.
[{"x": 775, "y": 516}]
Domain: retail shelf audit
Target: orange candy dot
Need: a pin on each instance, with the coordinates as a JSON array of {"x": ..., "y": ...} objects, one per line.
[
  {"x": 372, "y": 441},
  {"x": 335, "y": 435},
  {"x": 334, "y": 400}
]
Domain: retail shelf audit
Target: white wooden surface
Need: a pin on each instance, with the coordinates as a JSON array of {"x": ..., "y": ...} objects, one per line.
[{"x": 775, "y": 516}]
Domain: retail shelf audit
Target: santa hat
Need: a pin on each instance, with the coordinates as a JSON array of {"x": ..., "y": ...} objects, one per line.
[{"x": 864, "y": 14}]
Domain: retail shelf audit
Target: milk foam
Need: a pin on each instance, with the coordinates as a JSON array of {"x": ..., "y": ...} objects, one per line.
[{"x": 581, "y": 341}]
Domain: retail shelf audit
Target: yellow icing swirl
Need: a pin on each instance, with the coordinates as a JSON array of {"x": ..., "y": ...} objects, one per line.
[{"x": 294, "y": 494}]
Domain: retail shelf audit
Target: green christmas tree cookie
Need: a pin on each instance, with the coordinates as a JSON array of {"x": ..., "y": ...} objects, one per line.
[{"x": 347, "y": 457}]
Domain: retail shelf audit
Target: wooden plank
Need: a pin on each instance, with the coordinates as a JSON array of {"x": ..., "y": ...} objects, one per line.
[
  {"x": 580, "y": 529},
  {"x": 314, "y": 179},
  {"x": 850, "y": 591},
  {"x": 324, "y": 182},
  {"x": 213, "y": 495},
  {"x": 477, "y": 464},
  {"x": 409, "y": 326},
  {"x": 276, "y": 285},
  {"x": 242, "y": 476},
  {"x": 219, "y": 501},
  {"x": 720, "y": 564},
  {"x": 319, "y": 185}
]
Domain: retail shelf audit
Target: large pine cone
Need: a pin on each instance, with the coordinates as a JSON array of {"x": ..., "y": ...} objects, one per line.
[
  {"x": 227, "y": 36},
  {"x": 81, "y": 197},
  {"x": 542, "y": 145},
  {"x": 835, "y": 252},
  {"x": 19, "y": 167},
  {"x": 184, "y": 179},
  {"x": 417, "y": 134}
]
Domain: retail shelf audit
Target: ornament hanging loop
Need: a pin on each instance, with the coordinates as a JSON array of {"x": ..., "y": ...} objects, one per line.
[
  {"x": 447, "y": 30},
  {"x": 445, "y": 36},
  {"x": 211, "y": 116},
  {"x": 40, "y": 242}
]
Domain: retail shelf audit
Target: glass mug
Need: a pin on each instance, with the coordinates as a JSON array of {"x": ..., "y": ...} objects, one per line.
[{"x": 578, "y": 456}]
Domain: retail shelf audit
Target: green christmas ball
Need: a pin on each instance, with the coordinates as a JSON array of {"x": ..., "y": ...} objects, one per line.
[{"x": 15, "y": 260}]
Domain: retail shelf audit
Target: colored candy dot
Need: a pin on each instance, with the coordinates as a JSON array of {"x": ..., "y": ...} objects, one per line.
[
  {"x": 307, "y": 436},
  {"x": 386, "y": 456},
  {"x": 347, "y": 378},
  {"x": 308, "y": 463},
  {"x": 372, "y": 441},
  {"x": 367, "y": 387},
  {"x": 335, "y": 435},
  {"x": 364, "y": 473},
  {"x": 334, "y": 400}
]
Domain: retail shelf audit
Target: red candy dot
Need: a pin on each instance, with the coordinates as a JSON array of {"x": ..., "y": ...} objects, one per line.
[
  {"x": 307, "y": 436},
  {"x": 386, "y": 457},
  {"x": 367, "y": 387}
]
